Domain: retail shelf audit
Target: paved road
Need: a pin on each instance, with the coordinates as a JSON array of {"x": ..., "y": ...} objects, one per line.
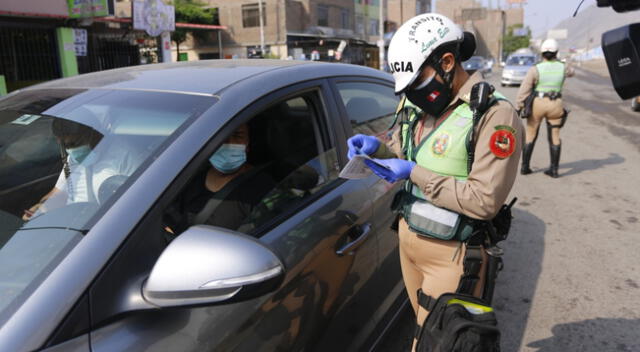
[{"x": 572, "y": 265}]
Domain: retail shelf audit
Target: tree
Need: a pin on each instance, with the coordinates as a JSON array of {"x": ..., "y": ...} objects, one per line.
[
  {"x": 192, "y": 11},
  {"x": 514, "y": 42}
]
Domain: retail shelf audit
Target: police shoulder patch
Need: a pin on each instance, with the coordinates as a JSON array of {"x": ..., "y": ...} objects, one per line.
[{"x": 503, "y": 141}]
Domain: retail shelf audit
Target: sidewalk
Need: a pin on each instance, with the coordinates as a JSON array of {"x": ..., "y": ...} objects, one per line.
[{"x": 597, "y": 66}]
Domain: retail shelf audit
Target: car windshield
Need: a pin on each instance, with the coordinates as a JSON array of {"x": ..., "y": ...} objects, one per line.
[
  {"x": 521, "y": 61},
  {"x": 65, "y": 156}
]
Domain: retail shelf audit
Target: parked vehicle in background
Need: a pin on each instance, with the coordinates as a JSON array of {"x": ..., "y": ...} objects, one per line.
[
  {"x": 311, "y": 264},
  {"x": 516, "y": 67},
  {"x": 475, "y": 63},
  {"x": 635, "y": 104},
  {"x": 490, "y": 63}
]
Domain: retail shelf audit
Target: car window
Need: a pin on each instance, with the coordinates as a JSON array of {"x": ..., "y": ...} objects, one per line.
[
  {"x": 263, "y": 169},
  {"x": 63, "y": 155},
  {"x": 370, "y": 106}
]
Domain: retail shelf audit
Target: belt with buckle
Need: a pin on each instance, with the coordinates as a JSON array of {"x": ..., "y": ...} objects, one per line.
[{"x": 552, "y": 95}]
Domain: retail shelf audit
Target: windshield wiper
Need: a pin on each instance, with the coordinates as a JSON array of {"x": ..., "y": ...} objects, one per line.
[{"x": 82, "y": 231}]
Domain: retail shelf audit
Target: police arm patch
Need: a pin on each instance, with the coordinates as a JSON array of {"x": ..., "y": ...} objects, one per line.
[{"x": 502, "y": 142}]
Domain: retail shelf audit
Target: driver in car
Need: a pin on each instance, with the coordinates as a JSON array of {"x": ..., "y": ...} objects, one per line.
[{"x": 226, "y": 193}]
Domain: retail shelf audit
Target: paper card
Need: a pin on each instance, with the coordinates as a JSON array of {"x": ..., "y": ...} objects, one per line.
[
  {"x": 356, "y": 168},
  {"x": 25, "y": 119}
]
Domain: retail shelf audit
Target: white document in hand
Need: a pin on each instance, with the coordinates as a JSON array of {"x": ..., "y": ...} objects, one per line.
[{"x": 356, "y": 168}]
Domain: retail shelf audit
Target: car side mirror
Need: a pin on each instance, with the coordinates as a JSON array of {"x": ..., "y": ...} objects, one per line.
[
  {"x": 502, "y": 64},
  {"x": 207, "y": 264}
]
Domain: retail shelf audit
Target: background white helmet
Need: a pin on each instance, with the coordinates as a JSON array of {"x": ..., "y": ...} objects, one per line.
[
  {"x": 549, "y": 45},
  {"x": 414, "y": 41}
]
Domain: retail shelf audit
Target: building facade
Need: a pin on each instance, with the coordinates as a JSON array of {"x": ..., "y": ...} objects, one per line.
[
  {"x": 400, "y": 11},
  {"x": 41, "y": 41},
  {"x": 330, "y": 30},
  {"x": 487, "y": 24}
]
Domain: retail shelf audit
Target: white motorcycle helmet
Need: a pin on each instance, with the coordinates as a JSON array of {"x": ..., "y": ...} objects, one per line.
[
  {"x": 417, "y": 39},
  {"x": 549, "y": 45}
]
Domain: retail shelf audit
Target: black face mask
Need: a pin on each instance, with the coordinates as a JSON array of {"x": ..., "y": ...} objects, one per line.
[{"x": 432, "y": 96}]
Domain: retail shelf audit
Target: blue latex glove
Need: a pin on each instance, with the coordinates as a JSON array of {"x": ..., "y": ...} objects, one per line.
[
  {"x": 391, "y": 170},
  {"x": 362, "y": 144}
]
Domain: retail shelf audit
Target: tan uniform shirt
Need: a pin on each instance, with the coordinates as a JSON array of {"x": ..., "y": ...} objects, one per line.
[
  {"x": 531, "y": 80},
  {"x": 491, "y": 177}
]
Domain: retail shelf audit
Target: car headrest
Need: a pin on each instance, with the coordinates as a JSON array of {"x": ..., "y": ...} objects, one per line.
[
  {"x": 289, "y": 135},
  {"x": 360, "y": 109}
]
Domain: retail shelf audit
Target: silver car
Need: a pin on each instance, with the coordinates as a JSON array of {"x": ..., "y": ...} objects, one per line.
[
  {"x": 118, "y": 248},
  {"x": 516, "y": 68}
]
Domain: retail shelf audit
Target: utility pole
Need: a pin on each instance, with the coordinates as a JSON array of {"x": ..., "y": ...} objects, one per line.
[
  {"x": 261, "y": 28},
  {"x": 381, "y": 33},
  {"x": 503, "y": 19}
]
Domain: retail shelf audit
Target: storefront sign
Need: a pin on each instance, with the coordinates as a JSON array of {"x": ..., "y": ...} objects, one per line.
[
  {"x": 88, "y": 8},
  {"x": 153, "y": 16},
  {"x": 80, "y": 41}
]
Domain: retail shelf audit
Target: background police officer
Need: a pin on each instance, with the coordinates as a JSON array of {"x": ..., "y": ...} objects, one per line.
[
  {"x": 441, "y": 197},
  {"x": 545, "y": 81}
]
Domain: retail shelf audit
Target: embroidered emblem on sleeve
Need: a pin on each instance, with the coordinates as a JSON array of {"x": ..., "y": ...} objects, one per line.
[{"x": 503, "y": 141}]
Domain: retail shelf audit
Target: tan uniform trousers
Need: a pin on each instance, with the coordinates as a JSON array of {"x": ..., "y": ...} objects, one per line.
[
  {"x": 433, "y": 265},
  {"x": 545, "y": 108}
]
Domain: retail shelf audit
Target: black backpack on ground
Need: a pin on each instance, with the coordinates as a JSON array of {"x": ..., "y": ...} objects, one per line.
[{"x": 459, "y": 323}]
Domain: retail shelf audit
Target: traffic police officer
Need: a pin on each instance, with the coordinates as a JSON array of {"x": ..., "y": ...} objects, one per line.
[
  {"x": 442, "y": 198},
  {"x": 545, "y": 81}
]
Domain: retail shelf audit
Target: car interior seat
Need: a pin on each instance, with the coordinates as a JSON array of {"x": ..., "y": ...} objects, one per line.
[{"x": 292, "y": 143}]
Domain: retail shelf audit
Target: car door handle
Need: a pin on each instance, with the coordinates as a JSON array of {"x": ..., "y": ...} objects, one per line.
[{"x": 363, "y": 233}]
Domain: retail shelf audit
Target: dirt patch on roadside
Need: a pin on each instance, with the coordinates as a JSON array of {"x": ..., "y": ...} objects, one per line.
[{"x": 597, "y": 66}]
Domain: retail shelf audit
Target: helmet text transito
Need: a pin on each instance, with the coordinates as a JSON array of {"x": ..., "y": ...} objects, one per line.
[{"x": 415, "y": 41}]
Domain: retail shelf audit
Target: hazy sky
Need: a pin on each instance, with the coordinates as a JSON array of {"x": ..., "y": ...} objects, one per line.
[{"x": 541, "y": 15}]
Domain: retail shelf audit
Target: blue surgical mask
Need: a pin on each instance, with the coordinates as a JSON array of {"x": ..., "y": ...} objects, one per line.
[
  {"x": 78, "y": 154},
  {"x": 229, "y": 158}
]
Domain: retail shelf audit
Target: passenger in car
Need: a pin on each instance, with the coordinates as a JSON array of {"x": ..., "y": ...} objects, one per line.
[
  {"x": 86, "y": 164},
  {"x": 90, "y": 157},
  {"x": 226, "y": 192},
  {"x": 76, "y": 142}
]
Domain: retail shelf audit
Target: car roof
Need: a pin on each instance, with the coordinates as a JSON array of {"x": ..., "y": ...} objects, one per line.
[{"x": 204, "y": 77}]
